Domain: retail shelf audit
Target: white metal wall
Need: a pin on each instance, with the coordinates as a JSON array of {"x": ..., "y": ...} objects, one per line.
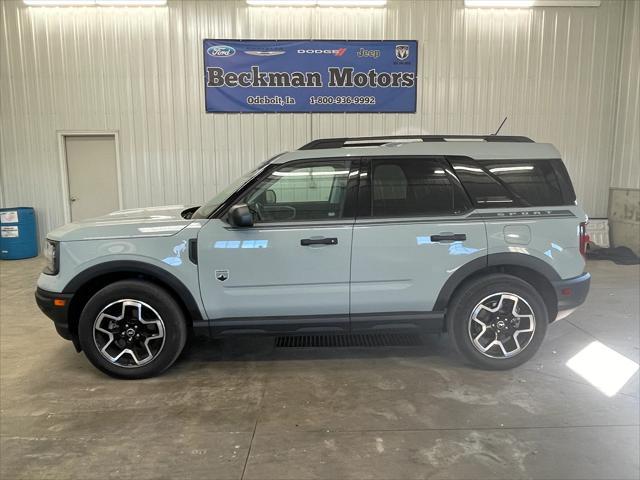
[
  {"x": 626, "y": 153},
  {"x": 553, "y": 71}
]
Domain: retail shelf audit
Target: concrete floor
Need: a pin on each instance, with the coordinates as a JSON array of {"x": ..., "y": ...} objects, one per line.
[{"x": 240, "y": 408}]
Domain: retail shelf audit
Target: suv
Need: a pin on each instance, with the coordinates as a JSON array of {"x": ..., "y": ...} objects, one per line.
[{"x": 478, "y": 236}]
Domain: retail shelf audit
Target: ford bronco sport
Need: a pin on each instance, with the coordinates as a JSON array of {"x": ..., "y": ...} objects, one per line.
[{"x": 478, "y": 236}]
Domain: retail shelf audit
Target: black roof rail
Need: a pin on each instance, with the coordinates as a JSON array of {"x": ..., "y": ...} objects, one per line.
[{"x": 381, "y": 140}]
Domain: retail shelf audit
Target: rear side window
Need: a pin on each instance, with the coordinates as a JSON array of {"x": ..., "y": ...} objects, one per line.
[
  {"x": 503, "y": 183},
  {"x": 410, "y": 187},
  {"x": 537, "y": 182}
]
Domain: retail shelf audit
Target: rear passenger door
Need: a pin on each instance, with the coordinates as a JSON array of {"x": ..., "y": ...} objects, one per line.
[{"x": 411, "y": 234}]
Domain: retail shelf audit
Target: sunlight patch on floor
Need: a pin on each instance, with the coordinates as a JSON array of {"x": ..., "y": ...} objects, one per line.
[{"x": 603, "y": 367}]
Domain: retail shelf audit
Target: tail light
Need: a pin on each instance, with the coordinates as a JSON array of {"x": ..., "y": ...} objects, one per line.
[{"x": 583, "y": 237}]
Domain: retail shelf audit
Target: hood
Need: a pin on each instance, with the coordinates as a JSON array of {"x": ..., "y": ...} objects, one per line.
[{"x": 135, "y": 222}]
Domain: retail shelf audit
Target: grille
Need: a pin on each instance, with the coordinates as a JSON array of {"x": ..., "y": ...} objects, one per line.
[{"x": 354, "y": 340}]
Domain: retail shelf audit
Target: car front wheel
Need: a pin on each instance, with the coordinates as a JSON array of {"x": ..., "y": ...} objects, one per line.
[
  {"x": 132, "y": 329},
  {"x": 497, "y": 321}
]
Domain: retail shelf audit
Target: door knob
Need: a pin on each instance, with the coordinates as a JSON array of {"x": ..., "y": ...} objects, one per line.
[{"x": 73, "y": 199}]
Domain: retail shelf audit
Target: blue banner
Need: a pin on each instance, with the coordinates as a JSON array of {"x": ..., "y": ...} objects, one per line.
[{"x": 310, "y": 76}]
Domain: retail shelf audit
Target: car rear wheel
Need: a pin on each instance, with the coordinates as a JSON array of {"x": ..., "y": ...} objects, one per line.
[
  {"x": 132, "y": 329},
  {"x": 497, "y": 321}
]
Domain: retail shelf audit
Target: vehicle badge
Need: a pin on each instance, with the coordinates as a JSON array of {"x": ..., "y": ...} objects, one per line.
[{"x": 222, "y": 275}]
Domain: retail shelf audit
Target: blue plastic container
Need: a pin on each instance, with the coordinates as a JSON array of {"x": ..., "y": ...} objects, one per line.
[{"x": 18, "y": 236}]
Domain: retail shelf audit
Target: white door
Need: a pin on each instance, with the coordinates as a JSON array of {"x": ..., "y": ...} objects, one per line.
[{"x": 92, "y": 175}]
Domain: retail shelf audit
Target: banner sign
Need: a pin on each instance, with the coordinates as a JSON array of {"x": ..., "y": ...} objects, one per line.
[{"x": 310, "y": 76}]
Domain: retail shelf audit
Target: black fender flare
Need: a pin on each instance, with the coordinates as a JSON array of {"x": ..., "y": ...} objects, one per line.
[
  {"x": 492, "y": 260},
  {"x": 137, "y": 267}
]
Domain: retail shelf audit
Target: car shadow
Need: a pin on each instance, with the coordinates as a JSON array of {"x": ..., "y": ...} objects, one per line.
[
  {"x": 212, "y": 353},
  {"x": 249, "y": 348}
]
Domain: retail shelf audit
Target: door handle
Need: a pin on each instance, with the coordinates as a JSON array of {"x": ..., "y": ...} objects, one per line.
[
  {"x": 449, "y": 237},
  {"x": 73, "y": 199},
  {"x": 305, "y": 242}
]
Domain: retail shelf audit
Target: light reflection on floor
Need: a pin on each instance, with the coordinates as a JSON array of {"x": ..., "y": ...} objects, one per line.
[{"x": 603, "y": 367}]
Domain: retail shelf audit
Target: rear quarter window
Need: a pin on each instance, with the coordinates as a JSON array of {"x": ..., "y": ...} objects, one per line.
[{"x": 504, "y": 183}]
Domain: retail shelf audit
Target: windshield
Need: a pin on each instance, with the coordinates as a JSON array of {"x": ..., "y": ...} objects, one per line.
[{"x": 208, "y": 208}]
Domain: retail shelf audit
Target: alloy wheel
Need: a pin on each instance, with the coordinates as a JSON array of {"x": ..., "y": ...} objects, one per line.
[
  {"x": 501, "y": 325},
  {"x": 129, "y": 333}
]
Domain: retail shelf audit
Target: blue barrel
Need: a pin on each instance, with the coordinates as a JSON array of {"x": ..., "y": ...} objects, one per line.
[{"x": 18, "y": 237}]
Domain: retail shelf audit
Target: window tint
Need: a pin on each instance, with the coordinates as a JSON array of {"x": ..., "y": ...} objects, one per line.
[
  {"x": 406, "y": 187},
  {"x": 309, "y": 190},
  {"x": 508, "y": 183},
  {"x": 484, "y": 190},
  {"x": 536, "y": 182}
]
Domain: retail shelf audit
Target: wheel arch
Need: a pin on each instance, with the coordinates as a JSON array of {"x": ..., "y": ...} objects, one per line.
[
  {"x": 84, "y": 285},
  {"x": 530, "y": 269}
]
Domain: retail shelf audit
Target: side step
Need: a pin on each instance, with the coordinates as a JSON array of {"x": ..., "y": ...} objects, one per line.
[{"x": 353, "y": 340}]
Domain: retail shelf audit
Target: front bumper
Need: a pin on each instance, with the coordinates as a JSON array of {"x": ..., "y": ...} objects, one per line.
[
  {"x": 58, "y": 313},
  {"x": 571, "y": 293}
]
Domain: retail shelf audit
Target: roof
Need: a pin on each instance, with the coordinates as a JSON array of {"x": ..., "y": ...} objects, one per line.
[{"x": 474, "y": 149}]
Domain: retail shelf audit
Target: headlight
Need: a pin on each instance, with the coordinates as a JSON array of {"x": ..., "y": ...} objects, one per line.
[{"x": 51, "y": 255}]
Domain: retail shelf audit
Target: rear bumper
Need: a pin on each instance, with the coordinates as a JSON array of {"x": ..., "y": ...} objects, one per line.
[
  {"x": 571, "y": 293},
  {"x": 59, "y": 314}
]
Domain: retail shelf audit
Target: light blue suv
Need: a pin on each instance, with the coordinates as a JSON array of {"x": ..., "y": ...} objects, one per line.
[{"x": 479, "y": 236}]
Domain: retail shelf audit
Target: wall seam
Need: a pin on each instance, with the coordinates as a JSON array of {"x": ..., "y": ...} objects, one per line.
[{"x": 616, "y": 109}]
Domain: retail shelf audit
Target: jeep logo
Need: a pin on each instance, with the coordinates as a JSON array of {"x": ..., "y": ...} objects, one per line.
[
  {"x": 363, "y": 52},
  {"x": 221, "y": 51}
]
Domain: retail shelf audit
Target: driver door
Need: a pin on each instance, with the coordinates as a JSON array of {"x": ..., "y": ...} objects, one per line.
[{"x": 292, "y": 266}]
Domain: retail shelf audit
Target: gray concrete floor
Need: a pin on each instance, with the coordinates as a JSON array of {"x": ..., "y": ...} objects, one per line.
[{"x": 240, "y": 408}]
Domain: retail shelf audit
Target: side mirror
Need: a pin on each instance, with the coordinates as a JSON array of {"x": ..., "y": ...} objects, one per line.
[{"x": 240, "y": 216}]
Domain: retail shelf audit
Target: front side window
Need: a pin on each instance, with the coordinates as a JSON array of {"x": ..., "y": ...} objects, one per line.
[
  {"x": 208, "y": 208},
  {"x": 301, "y": 191},
  {"x": 412, "y": 187}
]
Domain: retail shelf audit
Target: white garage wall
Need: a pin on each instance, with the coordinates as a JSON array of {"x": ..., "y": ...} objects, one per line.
[
  {"x": 626, "y": 154},
  {"x": 553, "y": 71}
]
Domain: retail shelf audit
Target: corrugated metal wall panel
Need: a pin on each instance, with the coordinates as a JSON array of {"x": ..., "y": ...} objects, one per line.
[
  {"x": 139, "y": 71},
  {"x": 626, "y": 152}
]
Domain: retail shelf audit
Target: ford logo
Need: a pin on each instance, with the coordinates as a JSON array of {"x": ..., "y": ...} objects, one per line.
[{"x": 221, "y": 51}]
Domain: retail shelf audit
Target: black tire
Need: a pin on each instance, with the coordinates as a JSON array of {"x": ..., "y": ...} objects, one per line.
[
  {"x": 464, "y": 304},
  {"x": 170, "y": 322}
]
